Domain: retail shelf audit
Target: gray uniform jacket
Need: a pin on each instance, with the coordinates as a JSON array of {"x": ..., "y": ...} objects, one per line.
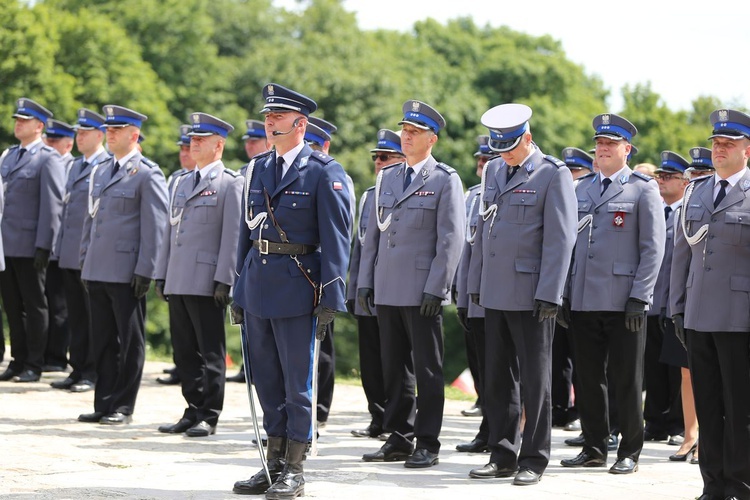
[
  {"x": 522, "y": 252},
  {"x": 33, "y": 200},
  {"x": 366, "y": 203},
  {"x": 661, "y": 289},
  {"x": 710, "y": 282},
  {"x": 2, "y": 205},
  {"x": 617, "y": 255},
  {"x": 75, "y": 208},
  {"x": 123, "y": 237},
  {"x": 201, "y": 245},
  {"x": 420, "y": 250},
  {"x": 473, "y": 199}
]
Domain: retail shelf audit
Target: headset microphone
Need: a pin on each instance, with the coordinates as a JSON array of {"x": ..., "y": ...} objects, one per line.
[{"x": 294, "y": 125}]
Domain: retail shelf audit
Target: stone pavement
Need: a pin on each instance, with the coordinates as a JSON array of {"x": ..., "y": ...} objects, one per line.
[{"x": 48, "y": 454}]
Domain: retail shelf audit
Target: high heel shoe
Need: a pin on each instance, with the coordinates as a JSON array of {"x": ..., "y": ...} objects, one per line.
[{"x": 682, "y": 457}]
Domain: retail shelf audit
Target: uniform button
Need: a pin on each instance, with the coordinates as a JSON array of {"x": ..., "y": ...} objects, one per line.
[
  {"x": 494, "y": 236},
  {"x": 265, "y": 226},
  {"x": 708, "y": 269},
  {"x": 710, "y": 236},
  {"x": 500, "y": 202},
  {"x": 596, "y": 211},
  {"x": 595, "y": 227},
  {"x": 273, "y": 209},
  {"x": 179, "y": 244},
  {"x": 492, "y": 254},
  {"x": 294, "y": 204},
  {"x": 309, "y": 270},
  {"x": 396, "y": 219},
  {"x": 714, "y": 219},
  {"x": 263, "y": 261},
  {"x": 394, "y": 232},
  {"x": 592, "y": 242},
  {"x": 591, "y": 256},
  {"x": 522, "y": 200}
]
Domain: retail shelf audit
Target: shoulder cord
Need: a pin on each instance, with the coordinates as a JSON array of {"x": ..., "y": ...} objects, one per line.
[
  {"x": 252, "y": 222},
  {"x": 702, "y": 231},
  {"x": 382, "y": 225},
  {"x": 360, "y": 231},
  {"x": 471, "y": 235},
  {"x": 2, "y": 157},
  {"x": 488, "y": 210},
  {"x": 93, "y": 205}
]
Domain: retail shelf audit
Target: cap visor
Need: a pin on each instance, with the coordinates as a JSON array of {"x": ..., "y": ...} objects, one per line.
[
  {"x": 610, "y": 136},
  {"x": 23, "y": 117},
  {"x": 734, "y": 137},
  {"x": 504, "y": 146},
  {"x": 385, "y": 150},
  {"x": 416, "y": 124},
  {"x": 200, "y": 134},
  {"x": 116, "y": 125}
]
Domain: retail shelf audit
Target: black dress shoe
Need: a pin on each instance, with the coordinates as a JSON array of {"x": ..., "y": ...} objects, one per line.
[
  {"x": 474, "y": 411},
  {"x": 526, "y": 477},
  {"x": 655, "y": 436},
  {"x": 370, "y": 432},
  {"x": 116, "y": 418},
  {"x": 492, "y": 470},
  {"x": 201, "y": 429},
  {"x": 612, "y": 442},
  {"x": 475, "y": 446},
  {"x": 63, "y": 384},
  {"x": 576, "y": 441},
  {"x": 387, "y": 453},
  {"x": 172, "y": 379},
  {"x": 82, "y": 386},
  {"x": 53, "y": 368},
  {"x": 265, "y": 441},
  {"x": 8, "y": 374},
  {"x": 26, "y": 376},
  {"x": 421, "y": 459},
  {"x": 584, "y": 459},
  {"x": 181, "y": 426},
  {"x": 624, "y": 466},
  {"x": 239, "y": 377},
  {"x": 91, "y": 417}
]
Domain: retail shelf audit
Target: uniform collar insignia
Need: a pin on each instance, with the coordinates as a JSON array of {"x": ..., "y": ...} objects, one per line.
[
  {"x": 745, "y": 184},
  {"x": 624, "y": 178}
]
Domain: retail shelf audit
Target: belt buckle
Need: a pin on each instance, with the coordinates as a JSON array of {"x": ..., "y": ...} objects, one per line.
[{"x": 263, "y": 247}]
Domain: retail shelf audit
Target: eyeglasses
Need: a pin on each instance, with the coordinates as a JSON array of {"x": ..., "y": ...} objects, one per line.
[
  {"x": 383, "y": 157},
  {"x": 666, "y": 177}
]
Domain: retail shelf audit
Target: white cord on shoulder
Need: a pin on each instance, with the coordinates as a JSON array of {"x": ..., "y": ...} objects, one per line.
[
  {"x": 175, "y": 217},
  {"x": 93, "y": 205},
  {"x": 702, "y": 231},
  {"x": 382, "y": 225},
  {"x": 252, "y": 222},
  {"x": 488, "y": 211},
  {"x": 470, "y": 236},
  {"x": 360, "y": 231}
]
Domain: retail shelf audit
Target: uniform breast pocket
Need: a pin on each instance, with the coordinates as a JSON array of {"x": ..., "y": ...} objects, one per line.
[
  {"x": 256, "y": 203},
  {"x": 124, "y": 200},
  {"x": 294, "y": 213},
  {"x": 206, "y": 209},
  {"x": 736, "y": 230},
  {"x": 520, "y": 206},
  {"x": 422, "y": 211},
  {"x": 29, "y": 180},
  {"x": 583, "y": 207},
  {"x": 385, "y": 204},
  {"x": 622, "y": 214}
]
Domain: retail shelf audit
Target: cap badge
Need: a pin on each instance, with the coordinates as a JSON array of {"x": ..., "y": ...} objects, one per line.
[
  {"x": 21, "y": 103},
  {"x": 270, "y": 90},
  {"x": 82, "y": 113},
  {"x": 109, "y": 110},
  {"x": 664, "y": 156},
  {"x": 415, "y": 106},
  {"x": 568, "y": 153},
  {"x": 50, "y": 124},
  {"x": 694, "y": 152},
  {"x": 605, "y": 119},
  {"x": 196, "y": 118},
  {"x": 381, "y": 134},
  {"x": 723, "y": 115}
]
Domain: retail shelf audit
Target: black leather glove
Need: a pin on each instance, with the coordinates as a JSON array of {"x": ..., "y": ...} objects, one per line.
[
  {"x": 463, "y": 318},
  {"x": 350, "y": 306},
  {"x": 325, "y": 315},
  {"x": 366, "y": 298},
  {"x": 221, "y": 294},
  {"x": 159, "y": 289},
  {"x": 544, "y": 310},
  {"x": 454, "y": 295},
  {"x": 431, "y": 304},
  {"x": 41, "y": 259},
  {"x": 635, "y": 313},
  {"x": 679, "y": 329},
  {"x": 236, "y": 313},
  {"x": 474, "y": 299},
  {"x": 663, "y": 320},
  {"x": 140, "y": 286},
  {"x": 563, "y": 314}
]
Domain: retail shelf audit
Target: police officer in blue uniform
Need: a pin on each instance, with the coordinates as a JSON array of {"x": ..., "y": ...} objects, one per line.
[
  {"x": 414, "y": 235},
  {"x": 620, "y": 244},
  {"x": 709, "y": 288},
  {"x": 89, "y": 137},
  {"x": 122, "y": 236},
  {"x": 292, "y": 257},
  {"x": 33, "y": 178},
  {"x": 387, "y": 152},
  {"x": 202, "y": 238}
]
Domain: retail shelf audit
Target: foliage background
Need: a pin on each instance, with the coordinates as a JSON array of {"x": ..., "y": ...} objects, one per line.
[{"x": 173, "y": 57}]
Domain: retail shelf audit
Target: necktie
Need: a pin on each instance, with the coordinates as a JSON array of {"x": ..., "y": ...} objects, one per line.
[
  {"x": 21, "y": 152},
  {"x": 605, "y": 184},
  {"x": 667, "y": 211},
  {"x": 407, "y": 177},
  {"x": 197, "y": 179},
  {"x": 115, "y": 169},
  {"x": 722, "y": 192},
  {"x": 84, "y": 166},
  {"x": 511, "y": 172},
  {"x": 279, "y": 169}
]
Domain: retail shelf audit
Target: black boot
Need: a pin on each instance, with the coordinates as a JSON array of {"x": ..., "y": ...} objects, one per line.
[
  {"x": 258, "y": 484},
  {"x": 290, "y": 483}
]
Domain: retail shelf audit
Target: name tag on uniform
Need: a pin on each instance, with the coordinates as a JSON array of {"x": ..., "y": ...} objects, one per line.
[{"x": 256, "y": 191}]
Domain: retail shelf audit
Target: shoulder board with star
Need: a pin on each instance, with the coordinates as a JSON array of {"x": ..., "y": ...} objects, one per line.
[
  {"x": 590, "y": 174},
  {"x": 641, "y": 176},
  {"x": 555, "y": 161},
  {"x": 322, "y": 157},
  {"x": 446, "y": 168},
  {"x": 148, "y": 162},
  {"x": 231, "y": 172}
]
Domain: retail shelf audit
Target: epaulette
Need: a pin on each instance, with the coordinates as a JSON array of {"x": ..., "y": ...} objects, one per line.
[
  {"x": 642, "y": 176},
  {"x": 702, "y": 178},
  {"x": 148, "y": 162},
  {"x": 49, "y": 149},
  {"x": 231, "y": 172},
  {"x": 590, "y": 174},
  {"x": 261, "y": 155},
  {"x": 448, "y": 169},
  {"x": 556, "y": 161},
  {"x": 392, "y": 165},
  {"x": 369, "y": 188},
  {"x": 179, "y": 173},
  {"x": 12, "y": 148},
  {"x": 322, "y": 157},
  {"x": 476, "y": 186}
]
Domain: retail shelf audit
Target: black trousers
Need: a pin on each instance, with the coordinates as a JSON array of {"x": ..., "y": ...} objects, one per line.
[
  {"x": 58, "y": 336},
  {"x": 720, "y": 365},
  {"x": 200, "y": 349},
  {"x": 79, "y": 323},
  {"x": 117, "y": 320},
  {"x": 472, "y": 358},
  {"x": 563, "y": 380},
  {"x": 22, "y": 289},
  {"x": 476, "y": 337},
  {"x": 518, "y": 374},
  {"x": 662, "y": 409},
  {"x": 371, "y": 368},
  {"x": 602, "y": 341},
  {"x": 326, "y": 374},
  {"x": 407, "y": 335}
]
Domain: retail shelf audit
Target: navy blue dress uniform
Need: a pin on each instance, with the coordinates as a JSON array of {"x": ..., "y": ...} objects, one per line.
[
  {"x": 409, "y": 259},
  {"x": 33, "y": 179},
  {"x": 525, "y": 236},
  {"x": 662, "y": 409},
  {"x": 709, "y": 288},
  {"x": 122, "y": 236},
  {"x": 370, "y": 356},
  {"x": 292, "y": 257},
  {"x": 197, "y": 264},
  {"x": 68, "y": 252},
  {"x": 620, "y": 245}
]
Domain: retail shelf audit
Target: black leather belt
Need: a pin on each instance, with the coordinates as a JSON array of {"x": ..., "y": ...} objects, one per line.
[{"x": 266, "y": 247}]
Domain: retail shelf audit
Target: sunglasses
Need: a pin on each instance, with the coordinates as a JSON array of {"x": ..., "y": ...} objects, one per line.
[{"x": 382, "y": 157}]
